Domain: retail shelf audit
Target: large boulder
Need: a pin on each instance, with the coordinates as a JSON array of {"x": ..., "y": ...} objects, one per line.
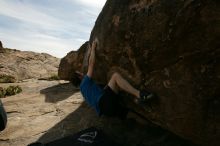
[
  {"x": 169, "y": 47},
  {"x": 72, "y": 62}
]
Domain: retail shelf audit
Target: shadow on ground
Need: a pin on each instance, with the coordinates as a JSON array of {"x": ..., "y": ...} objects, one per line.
[
  {"x": 125, "y": 132},
  {"x": 59, "y": 92}
]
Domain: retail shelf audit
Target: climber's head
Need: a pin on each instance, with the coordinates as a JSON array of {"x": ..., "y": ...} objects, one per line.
[{"x": 77, "y": 78}]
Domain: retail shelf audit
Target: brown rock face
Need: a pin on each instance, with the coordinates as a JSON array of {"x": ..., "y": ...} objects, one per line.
[
  {"x": 71, "y": 62},
  {"x": 169, "y": 47}
]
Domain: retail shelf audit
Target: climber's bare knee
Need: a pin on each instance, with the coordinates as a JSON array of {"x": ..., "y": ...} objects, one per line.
[{"x": 113, "y": 82}]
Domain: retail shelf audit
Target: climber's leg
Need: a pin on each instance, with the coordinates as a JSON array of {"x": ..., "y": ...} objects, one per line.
[{"x": 118, "y": 82}]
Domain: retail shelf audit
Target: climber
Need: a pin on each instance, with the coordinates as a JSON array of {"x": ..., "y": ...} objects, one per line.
[{"x": 105, "y": 100}]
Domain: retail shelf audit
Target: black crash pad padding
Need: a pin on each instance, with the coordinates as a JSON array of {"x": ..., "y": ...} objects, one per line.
[{"x": 88, "y": 137}]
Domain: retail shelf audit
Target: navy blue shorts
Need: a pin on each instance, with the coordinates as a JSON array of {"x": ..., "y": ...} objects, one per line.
[{"x": 110, "y": 104}]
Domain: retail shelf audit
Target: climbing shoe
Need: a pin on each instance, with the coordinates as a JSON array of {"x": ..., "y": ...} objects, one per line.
[{"x": 145, "y": 96}]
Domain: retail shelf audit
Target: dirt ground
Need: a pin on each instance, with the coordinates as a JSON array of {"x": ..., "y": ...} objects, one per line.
[{"x": 48, "y": 110}]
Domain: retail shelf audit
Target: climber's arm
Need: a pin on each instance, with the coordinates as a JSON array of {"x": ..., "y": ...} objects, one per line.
[{"x": 91, "y": 59}]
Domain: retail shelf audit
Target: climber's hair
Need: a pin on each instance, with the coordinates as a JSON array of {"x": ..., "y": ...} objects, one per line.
[{"x": 76, "y": 79}]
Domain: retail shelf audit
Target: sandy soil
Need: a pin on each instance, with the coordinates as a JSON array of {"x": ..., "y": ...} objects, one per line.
[{"x": 48, "y": 110}]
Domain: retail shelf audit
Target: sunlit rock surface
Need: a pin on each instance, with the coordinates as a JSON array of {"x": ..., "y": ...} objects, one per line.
[{"x": 26, "y": 65}]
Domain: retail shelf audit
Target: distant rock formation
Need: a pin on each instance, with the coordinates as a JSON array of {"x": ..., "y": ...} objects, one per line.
[
  {"x": 169, "y": 47},
  {"x": 24, "y": 64}
]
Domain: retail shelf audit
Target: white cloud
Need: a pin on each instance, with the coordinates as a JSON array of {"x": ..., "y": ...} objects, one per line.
[
  {"x": 55, "y": 27},
  {"x": 27, "y": 13},
  {"x": 93, "y": 3},
  {"x": 39, "y": 43}
]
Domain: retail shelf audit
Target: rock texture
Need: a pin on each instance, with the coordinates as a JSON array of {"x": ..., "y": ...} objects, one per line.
[
  {"x": 71, "y": 62},
  {"x": 40, "y": 106},
  {"x": 49, "y": 110},
  {"x": 172, "y": 48},
  {"x": 24, "y": 64}
]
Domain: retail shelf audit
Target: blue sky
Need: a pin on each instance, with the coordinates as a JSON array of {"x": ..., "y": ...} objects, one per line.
[{"x": 52, "y": 26}]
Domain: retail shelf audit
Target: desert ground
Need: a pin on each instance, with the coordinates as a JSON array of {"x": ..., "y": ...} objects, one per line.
[{"x": 49, "y": 110}]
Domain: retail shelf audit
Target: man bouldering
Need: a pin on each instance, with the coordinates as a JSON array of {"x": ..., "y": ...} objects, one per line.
[{"x": 106, "y": 100}]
